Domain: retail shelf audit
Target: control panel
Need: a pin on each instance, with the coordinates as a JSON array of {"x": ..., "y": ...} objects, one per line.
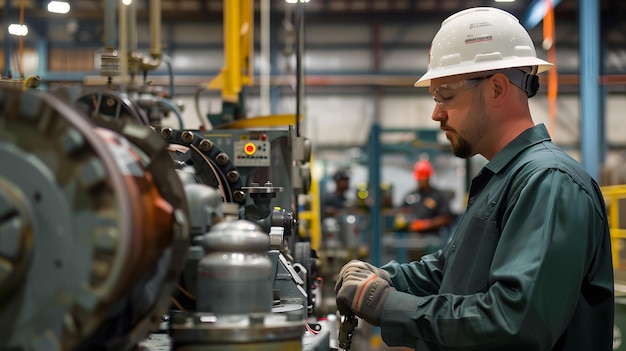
[{"x": 251, "y": 153}]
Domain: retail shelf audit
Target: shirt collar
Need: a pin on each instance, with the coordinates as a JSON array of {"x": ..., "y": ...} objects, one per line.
[{"x": 528, "y": 138}]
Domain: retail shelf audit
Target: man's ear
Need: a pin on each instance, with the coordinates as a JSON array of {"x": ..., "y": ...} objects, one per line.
[{"x": 500, "y": 88}]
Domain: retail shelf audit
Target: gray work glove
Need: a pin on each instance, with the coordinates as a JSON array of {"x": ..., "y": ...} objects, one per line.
[
  {"x": 356, "y": 264},
  {"x": 363, "y": 293}
]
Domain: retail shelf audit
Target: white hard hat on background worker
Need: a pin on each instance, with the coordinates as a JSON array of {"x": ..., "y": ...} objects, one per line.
[{"x": 481, "y": 40}]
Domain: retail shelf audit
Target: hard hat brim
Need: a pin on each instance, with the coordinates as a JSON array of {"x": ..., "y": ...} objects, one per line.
[{"x": 472, "y": 67}]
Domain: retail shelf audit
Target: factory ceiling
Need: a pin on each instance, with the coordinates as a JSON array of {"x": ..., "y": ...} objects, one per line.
[
  {"x": 422, "y": 13},
  {"x": 401, "y": 14},
  {"x": 327, "y": 10},
  {"x": 426, "y": 12}
]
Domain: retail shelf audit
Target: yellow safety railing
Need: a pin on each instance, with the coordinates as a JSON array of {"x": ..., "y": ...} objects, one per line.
[
  {"x": 612, "y": 196},
  {"x": 312, "y": 216}
]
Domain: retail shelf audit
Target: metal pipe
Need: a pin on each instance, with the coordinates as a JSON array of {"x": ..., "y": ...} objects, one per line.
[
  {"x": 155, "y": 37},
  {"x": 123, "y": 49},
  {"x": 155, "y": 29},
  {"x": 299, "y": 68},
  {"x": 7, "y": 39},
  {"x": 21, "y": 43},
  {"x": 589, "y": 86},
  {"x": 134, "y": 58},
  {"x": 132, "y": 27}
]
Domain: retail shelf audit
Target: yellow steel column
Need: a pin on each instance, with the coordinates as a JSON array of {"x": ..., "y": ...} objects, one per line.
[
  {"x": 315, "y": 221},
  {"x": 246, "y": 66},
  {"x": 238, "y": 50},
  {"x": 232, "y": 73}
]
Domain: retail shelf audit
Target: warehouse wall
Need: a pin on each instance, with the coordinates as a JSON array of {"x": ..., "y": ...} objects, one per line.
[
  {"x": 345, "y": 121},
  {"x": 336, "y": 116}
]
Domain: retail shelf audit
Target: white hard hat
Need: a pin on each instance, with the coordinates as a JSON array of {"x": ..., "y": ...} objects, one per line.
[{"x": 480, "y": 39}]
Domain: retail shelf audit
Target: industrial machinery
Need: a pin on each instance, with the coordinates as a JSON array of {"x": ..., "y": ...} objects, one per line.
[
  {"x": 107, "y": 223},
  {"x": 79, "y": 206},
  {"x": 117, "y": 231}
]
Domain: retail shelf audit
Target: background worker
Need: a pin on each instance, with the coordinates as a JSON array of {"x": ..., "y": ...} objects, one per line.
[
  {"x": 529, "y": 264},
  {"x": 428, "y": 208},
  {"x": 336, "y": 201}
]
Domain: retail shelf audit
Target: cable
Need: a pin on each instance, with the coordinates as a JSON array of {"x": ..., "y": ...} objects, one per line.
[
  {"x": 185, "y": 292},
  {"x": 310, "y": 330},
  {"x": 170, "y": 72},
  {"x": 167, "y": 103},
  {"x": 197, "y": 105},
  {"x": 177, "y": 304}
]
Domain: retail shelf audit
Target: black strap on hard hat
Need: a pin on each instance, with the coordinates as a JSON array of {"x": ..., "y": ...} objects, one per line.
[{"x": 526, "y": 81}]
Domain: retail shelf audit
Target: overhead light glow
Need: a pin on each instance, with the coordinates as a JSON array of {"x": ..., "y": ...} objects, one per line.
[
  {"x": 295, "y": 1},
  {"x": 536, "y": 11},
  {"x": 58, "y": 7},
  {"x": 127, "y": 2},
  {"x": 18, "y": 29},
  {"x": 504, "y": 0}
]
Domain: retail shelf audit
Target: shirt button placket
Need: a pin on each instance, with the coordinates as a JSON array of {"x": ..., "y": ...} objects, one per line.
[{"x": 471, "y": 201}]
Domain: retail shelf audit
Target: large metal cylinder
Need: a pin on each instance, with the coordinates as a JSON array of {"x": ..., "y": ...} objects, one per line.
[
  {"x": 234, "y": 297},
  {"x": 235, "y": 275}
]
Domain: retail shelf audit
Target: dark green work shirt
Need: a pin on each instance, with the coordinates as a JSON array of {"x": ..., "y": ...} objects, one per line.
[{"x": 528, "y": 267}]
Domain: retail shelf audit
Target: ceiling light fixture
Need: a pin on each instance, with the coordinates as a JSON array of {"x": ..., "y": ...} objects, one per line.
[
  {"x": 58, "y": 7},
  {"x": 18, "y": 29}
]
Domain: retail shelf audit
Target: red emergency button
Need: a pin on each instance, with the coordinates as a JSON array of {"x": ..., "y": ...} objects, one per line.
[{"x": 249, "y": 148}]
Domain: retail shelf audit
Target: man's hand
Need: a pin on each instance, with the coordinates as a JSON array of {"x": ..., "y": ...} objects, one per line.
[
  {"x": 363, "y": 293},
  {"x": 420, "y": 225},
  {"x": 360, "y": 265}
]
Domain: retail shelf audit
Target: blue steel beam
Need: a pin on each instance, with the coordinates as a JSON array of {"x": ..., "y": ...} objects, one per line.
[
  {"x": 589, "y": 86},
  {"x": 110, "y": 26},
  {"x": 42, "y": 65}
]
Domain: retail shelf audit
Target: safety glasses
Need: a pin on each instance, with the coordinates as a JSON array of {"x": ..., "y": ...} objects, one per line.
[{"x": 445, "y": 93}]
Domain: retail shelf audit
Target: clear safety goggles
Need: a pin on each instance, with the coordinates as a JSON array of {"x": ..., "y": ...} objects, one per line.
[{"x": 445, "y": 93}]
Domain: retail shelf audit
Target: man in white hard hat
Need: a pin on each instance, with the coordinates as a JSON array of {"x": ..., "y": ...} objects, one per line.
[{"x": 529, "y": 265}]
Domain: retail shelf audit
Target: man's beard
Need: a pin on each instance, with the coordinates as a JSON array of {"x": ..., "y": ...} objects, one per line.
[{"x": 462, "y": 147}]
